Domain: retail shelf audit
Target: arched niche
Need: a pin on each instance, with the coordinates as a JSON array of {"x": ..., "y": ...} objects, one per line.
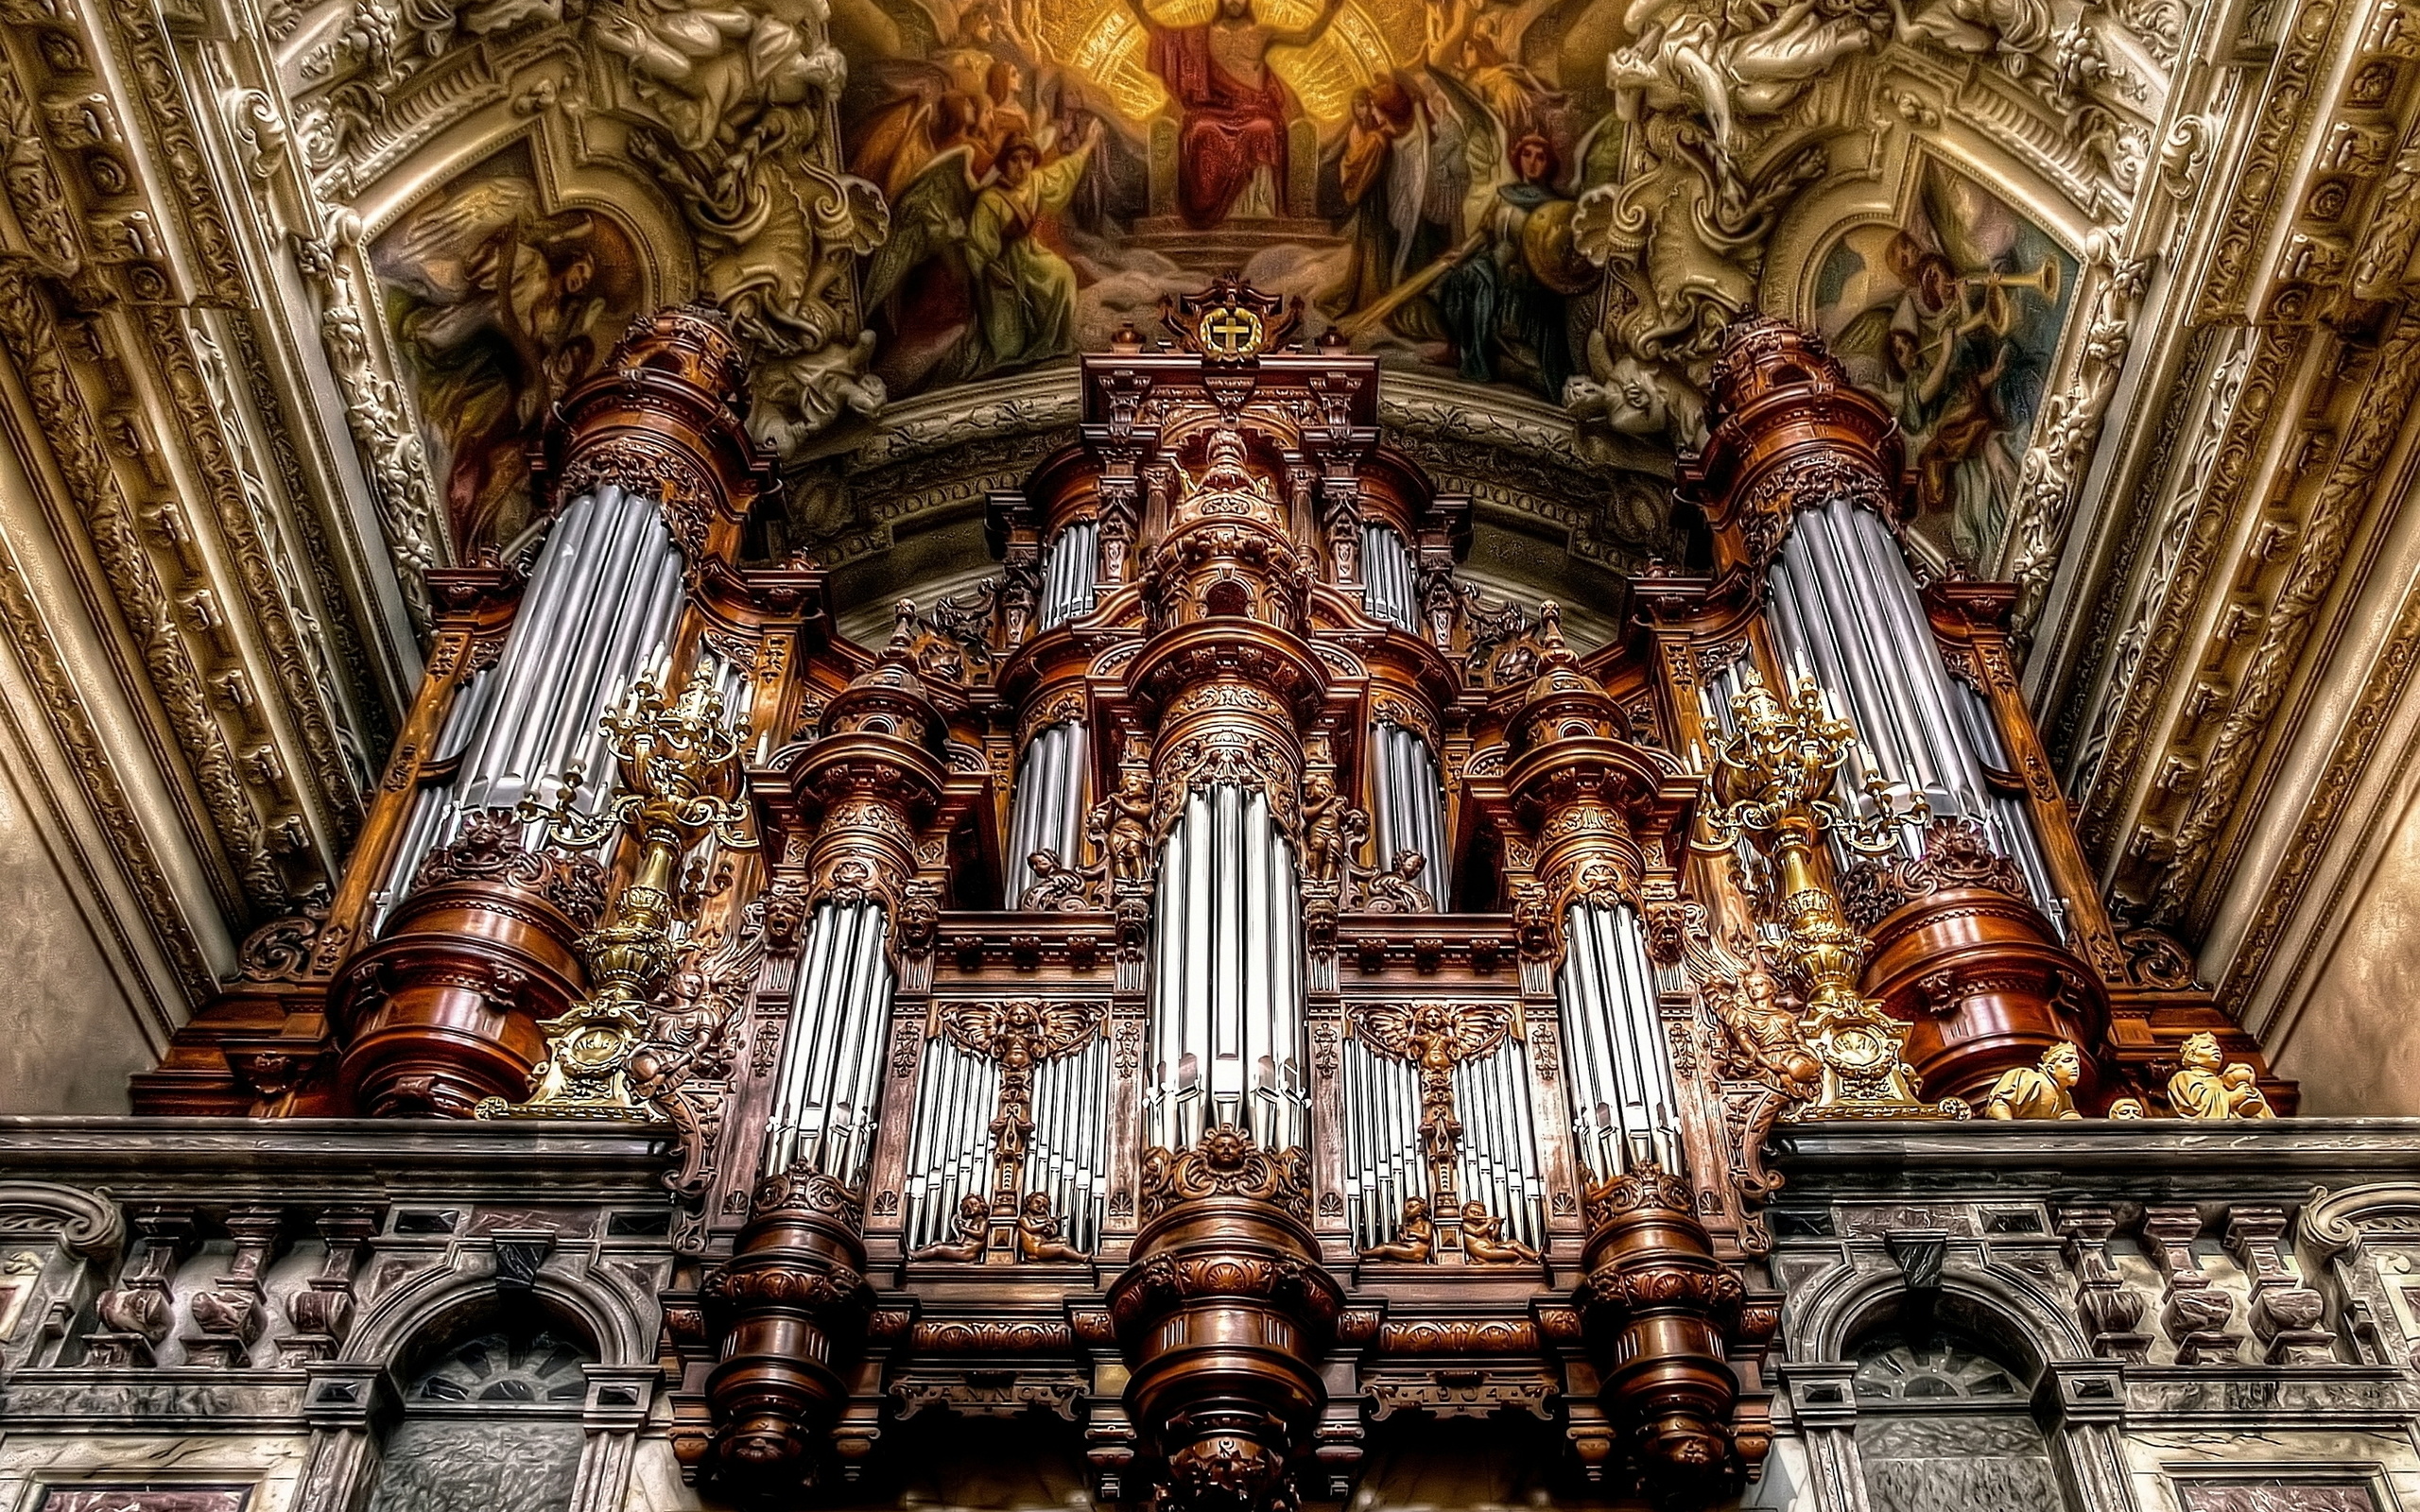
[
  {"x": 491, "y": 1399},
  {"x": 1944, "y": 1419},
  {"x": 1947, "y": 286},
  {"x": 507, "y": 268}
]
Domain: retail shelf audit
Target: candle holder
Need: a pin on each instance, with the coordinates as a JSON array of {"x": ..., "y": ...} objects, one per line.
[
  {"x": 677, "y": 783},
  {"x": 1773, "y": 779}
]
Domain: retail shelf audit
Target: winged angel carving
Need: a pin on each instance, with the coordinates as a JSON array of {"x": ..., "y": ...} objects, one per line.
[
  {"x": 1019, "y": 1036},
  {"x": 1433, "y": 1038},
  {"x": 726, "y": 105},
  {"x": 680, "y": 1067}
]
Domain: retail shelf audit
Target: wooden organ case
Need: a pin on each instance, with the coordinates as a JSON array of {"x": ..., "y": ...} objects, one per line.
[{"x": 1225, "y": 977}]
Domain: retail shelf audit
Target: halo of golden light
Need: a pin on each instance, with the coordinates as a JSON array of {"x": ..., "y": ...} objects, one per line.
[{"x": 1100, "y": 40}]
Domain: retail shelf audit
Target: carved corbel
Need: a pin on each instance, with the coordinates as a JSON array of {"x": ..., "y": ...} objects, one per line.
[
  {"x": 790, "y": 1307},
  {"x": 2108, "y": 1308},
  {"x": 2194, "y": 1313},
  {"x": 1225, "y": 1317},
  {"x": 2285, "y": 1315},
  {"x": 137, "y": 1312},
  {"x": 230, "y": 1313},
  {"x": 322, "y": 1312}
]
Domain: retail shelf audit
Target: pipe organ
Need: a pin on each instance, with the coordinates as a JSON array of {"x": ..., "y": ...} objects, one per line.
[{"x": 1227, "y": 945}]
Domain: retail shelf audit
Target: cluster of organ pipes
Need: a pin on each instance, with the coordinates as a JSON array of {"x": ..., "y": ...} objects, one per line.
[
  {"x": 1236, "y": 883},
  {"x": 1844, "y": 613}
]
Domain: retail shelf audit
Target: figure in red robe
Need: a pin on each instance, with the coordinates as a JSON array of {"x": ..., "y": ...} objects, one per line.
[{"x": 1231, "y": 106}]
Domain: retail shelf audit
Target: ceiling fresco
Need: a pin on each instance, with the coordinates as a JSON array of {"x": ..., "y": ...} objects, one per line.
[{"x": 1558, "y": 202}]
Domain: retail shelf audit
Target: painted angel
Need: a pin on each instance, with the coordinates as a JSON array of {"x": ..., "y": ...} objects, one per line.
[{"x": 508, "y": 307}]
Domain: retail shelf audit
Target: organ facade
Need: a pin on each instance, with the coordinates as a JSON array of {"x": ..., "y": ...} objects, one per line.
[{"x": 1222, "y": 988}]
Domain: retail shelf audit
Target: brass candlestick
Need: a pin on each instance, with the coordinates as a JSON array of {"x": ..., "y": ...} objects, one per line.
[
  {"x": 677, "y": 782},
  {"x": 1772, "y": 783}
]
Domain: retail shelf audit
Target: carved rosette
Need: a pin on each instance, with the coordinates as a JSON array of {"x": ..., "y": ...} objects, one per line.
[
  {"x": 1662, "y": 1319},
  {"x": 1962, "y": 956},
  {"x": 790, "y": 1306},
  {"x": 1224, "y": 1316},
  {"x": 443, "y": 1009},
  {"x": 1788, "y": 433}
]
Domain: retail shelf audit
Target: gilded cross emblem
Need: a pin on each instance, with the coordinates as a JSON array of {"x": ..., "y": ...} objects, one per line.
[{"x": 1231, "y": 332}]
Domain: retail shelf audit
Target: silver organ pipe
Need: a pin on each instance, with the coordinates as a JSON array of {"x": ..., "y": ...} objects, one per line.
[
  {"x": 591, "y": 623},
  {"x": 602, "y": 599},
  {"x": 1068, "y": 571},
  {"x": 825, "y": 1095},
  {"x": 433, "y": 811},
  {"x": 1498, "y": 1161},
  {"x": 949, "y": 1152},
  {"x": 1410, "y": 806},
  {"x": 1617, "y": 1061},
  {"x": 1227, "y": 1014},
  {"x": 1386, "y": 586},
  {"x": 1070, "y": 1159},
  {"x": 1845, "y": 612},
  {"x": 1048, "y": 813},
  {"x": 1383, "y": 1162},
  {"x": 2008, "y": 819}
]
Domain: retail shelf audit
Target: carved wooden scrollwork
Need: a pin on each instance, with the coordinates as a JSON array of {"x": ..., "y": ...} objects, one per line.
[{"x": 1225, "y": 1164}]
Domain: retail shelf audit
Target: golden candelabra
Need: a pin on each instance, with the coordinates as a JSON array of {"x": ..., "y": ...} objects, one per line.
[
  {"x": 677, "y": 782},
  {"x": 1772, "y": 783}
]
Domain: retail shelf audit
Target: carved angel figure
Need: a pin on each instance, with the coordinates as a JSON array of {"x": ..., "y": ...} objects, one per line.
[
  {"x": 1485, "y": 1242},
  {"x": 2037, "y": 1091},
  {"x": 968, "y": 1231},
  {"x": 1038, "y": 1232},
  {"x": 1730, "y": 62},
  {"x": 1761, "y": 1026},
  {"x": 2017, "y": 30},
  {"x": 687, "y": 1043},
  {"x": 1414, "y": 1237},
  {"x": 2207, "y": 1086},
  {"x": 1119, "y": 825},
  {"x": 1322, "y": 827},
  {"x": 1055, "y": 888},
  {"x": 1397, "y": 890},
  {"x": 1433, "y": 1038}
]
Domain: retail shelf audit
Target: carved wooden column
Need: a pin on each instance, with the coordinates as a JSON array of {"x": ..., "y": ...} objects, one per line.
[
  {"x": 1224, "y": 1316},
  {"x": 442, "y": 1010},
  {"x": 1663, "y": 1318},
  {"x": 790, "y": 1305},
  {"x": 1663, "y": 1314},
  {"x": 1235, "y": 831},
  {"x": 481, "y": 941}
]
